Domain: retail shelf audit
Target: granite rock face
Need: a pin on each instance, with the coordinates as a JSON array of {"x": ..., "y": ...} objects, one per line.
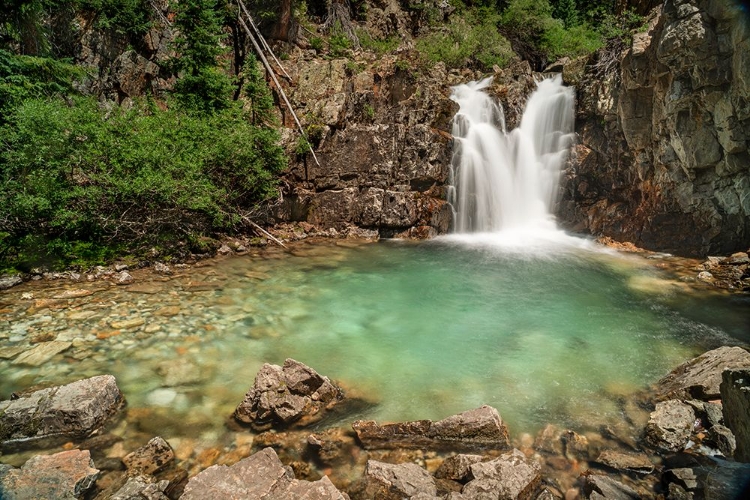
[
  {"x": 260, "y": 476},
  {"x": 474, "y": 429},
  {"x": 664, "y": 153},
  {"x": 72, "y": 411},
  {"x": 66, "y": 475},
  {"x": 293, "y": 394}
]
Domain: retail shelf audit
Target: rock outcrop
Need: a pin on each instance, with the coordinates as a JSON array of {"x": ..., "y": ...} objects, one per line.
[
  {"x": 63, "y": 476},
  {"x": 510, "y": 476},
  {"x": 294, "y": 394},
  {"x": 395, "y": 482},
  {"x": 664, "y": 158},
  {"x": 735, "y": 397},
  {"x": 471, "y": 430},
  {"x": 72, "y": 411},
  {"x": 670, "y": 425},
  {"x": 261, "y": 475}
]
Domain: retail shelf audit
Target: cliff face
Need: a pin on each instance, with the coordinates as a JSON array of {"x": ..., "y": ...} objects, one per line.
[{"x": 664, "y": 130}]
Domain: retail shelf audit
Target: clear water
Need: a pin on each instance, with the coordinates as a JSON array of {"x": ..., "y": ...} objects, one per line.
[{"x": 545, "y": 331}]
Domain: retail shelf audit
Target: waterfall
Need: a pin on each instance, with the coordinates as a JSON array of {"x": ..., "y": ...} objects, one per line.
[{"x": 508, "y": 181}]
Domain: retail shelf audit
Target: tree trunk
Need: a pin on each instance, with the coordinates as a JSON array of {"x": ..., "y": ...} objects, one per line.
[{"x": 283, "y": 27}]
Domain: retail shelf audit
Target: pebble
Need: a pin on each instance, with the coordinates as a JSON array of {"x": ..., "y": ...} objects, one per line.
[
  {"x": 127, "y": 324},
  {"x": 161, "y": 397}
]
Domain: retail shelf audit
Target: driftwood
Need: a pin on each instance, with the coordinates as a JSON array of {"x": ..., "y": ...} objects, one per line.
[
  {"x": 256, "y": 226},
  {"x": 273, "y": 75}
]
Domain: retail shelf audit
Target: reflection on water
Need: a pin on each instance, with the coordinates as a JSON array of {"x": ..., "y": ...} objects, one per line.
[{"x": 423, "y": 329}]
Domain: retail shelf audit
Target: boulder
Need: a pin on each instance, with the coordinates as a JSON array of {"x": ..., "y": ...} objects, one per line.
[
  {"x": 597, "y": 486},
  {"x": 292, "y": 394},
  {"x": 474, "y": 429},
  {"x": 142, "y": 488},
  {"x": 9, "y": 281},
  {"x": 150, "y": 458},
  {"x": 735, "y": 396},
  {"x": 670, "y": 425},
  {"x": 65, "y": 475},
  {"x": 394, "y": 482},
  {"x": 700, "y": 377},
  {"x": 714, "y": 480},
  {"x": 457, "y": 467},
  {"x": 510, "y": 476},
  {"x": 261, "y": 475},
  {"x": 723, "y": 439},
  {"x": 629, "y": 462},
  {"x": 72, "y": 411}
]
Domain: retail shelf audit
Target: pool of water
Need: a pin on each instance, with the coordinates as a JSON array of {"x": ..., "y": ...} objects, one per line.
[{"x": 551, "y": 331}]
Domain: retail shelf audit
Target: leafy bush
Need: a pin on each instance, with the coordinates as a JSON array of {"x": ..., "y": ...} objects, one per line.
[
  {"x": 338, "y": 43},
  {"x": 379, "y": 46},
  {"x": 75, "y": 175}
]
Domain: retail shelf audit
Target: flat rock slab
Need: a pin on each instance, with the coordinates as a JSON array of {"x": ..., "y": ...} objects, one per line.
[
  {"x": 71, "y": 411},
  {"x": 735, "y": 396},
  {"x": 631, "y": 462},
  {"x": 511, "y": 476},
  {"x": 285, "y": 395},
  {"x": 261, "y": 476},
  {"x": 41, "y": 353},
  {"x": 480, "y": 428},
  {"x": 394, "y": 482},
  {"x": 700, "y": 377},
  {"x": 670, "y": 425},
  {"x": 599, "y": 487},
  {"x": 62, "y": 476}
]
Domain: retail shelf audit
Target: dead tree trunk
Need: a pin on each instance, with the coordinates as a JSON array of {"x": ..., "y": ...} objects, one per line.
[{"x": 338, "y": 18}]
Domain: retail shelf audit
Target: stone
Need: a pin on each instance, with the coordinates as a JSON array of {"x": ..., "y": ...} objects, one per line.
[
  {"x": 510, "y": 476},
  {"x": 630, "y": 462},
  {"x": 479, "y": 428},
  {"x": 73, "y": 294},
  {"x": 66, "y": 475},
  {"x": 142, "y": 488},
  {"x": 292, "y": 394},
  {"x": 127, "y": 324},
  {"x": 124, "y": 278},
  {"x": 670, "y": 425},
  {"x": 154, "y": 456},
  {"x": 224, "y": 250},
  {"x": 261, "y": 475},
  {"x": 700, "y": 377},
  {"x": 457, "y": 467},
  {"x": 394, "y": 482},
  {"x": 41, "y": 353},
  {"x": 598, "y": 486},
  {"x": 178, "y": 372},
  {"x": 61, "y": 413},
  {"x": 723, "y": 439},
  {"x": 735, "y": 397},
  {"x": 10, "y": 281},
  {"x": 161, "y": 268}
]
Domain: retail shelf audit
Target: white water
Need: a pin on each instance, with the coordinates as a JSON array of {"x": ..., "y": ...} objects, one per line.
[{"x": 507, "y": 183}]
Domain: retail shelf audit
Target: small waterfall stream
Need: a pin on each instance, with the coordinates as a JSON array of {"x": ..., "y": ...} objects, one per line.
[{"x": 509, "y": 181}]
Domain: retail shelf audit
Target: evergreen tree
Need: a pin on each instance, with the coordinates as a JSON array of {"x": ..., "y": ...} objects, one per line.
[{"x": 566, "y": 11}]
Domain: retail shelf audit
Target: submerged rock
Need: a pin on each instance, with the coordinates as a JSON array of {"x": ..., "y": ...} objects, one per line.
[
  {"x": 72, "y": 411},
  {"x": 735, "y": 395},
  {"x": 152, "y": 457},
  {"x": 474, "y": 429},
  {"x": 292, "y": 394},
  {"x": 670, "y": 425},
  {"x": 395, "y": 482},
  {"x": 261, "y": 475},
  {"x": 700, "y": 377},
  {"x": 142, "y": 488},
  {"x": 65, "y": 475}
]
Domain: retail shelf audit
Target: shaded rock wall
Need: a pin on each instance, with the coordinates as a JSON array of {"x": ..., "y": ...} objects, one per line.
[{"x": 663, "y": 127}]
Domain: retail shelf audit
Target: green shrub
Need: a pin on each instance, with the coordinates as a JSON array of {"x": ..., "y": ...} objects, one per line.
[
  {"x": 316, "y": 43},
  {"x": 338, "y": 43},
  {"x": 379, "y": 46}
]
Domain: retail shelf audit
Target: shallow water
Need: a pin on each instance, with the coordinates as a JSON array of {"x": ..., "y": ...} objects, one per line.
[{"x": 545, "y": 331}]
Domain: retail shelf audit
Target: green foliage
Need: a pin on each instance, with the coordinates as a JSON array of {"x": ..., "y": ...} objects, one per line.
[
  {"x": 75, "y": 179},
  {"x": 472, "y": 39},
  {"x": 316, "y": 43},
  {"x": 577, "y": 41},
  {"x": 338, "y": 43},
  {"x": 256, "y": 91},
  {"x": 207, "y": 90},
  {"x": 566, "y": 11},
  {"x": 131, "y": 17},
  {"x": 379, "y": 46}
]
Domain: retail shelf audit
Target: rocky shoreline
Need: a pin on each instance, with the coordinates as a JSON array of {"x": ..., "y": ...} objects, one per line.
[{"x": 686, "y": 437}]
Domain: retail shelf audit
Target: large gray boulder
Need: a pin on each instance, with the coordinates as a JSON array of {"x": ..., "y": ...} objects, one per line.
[
  {"x": 474, "y": 429},
  {"x": 293, "y": 394},
  {"x": 735, "y": 396},
  {"x": 670, "y": 425},
  {"x": 63, "y": 476},
  {"x": 511, "y": 476},
  {"x": 260, "y": 476},
  {"x": 72, "y": 411},
  {"x": 599, "y": 486},
  {"x": 385, "y": 481},
  {"x": 700, "y": 377}
]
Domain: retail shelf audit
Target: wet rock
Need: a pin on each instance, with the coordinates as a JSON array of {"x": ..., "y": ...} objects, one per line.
[
  {"x": 457, "y": 467},
  {"x": 41, "y": 353},
  {"x": 395, "y": 482},
  {"x": 714, "y": 480},
  {"x": 150, "y": 458},
  {"x": 65, "y": 475},
  {"x": 142, "y": 488},
  {"x": 124, "y": 278},
  {"x": 261, "y": 475},
  {"x": 723, "y": 439},
  {"x": 73, "y": 294},
  {"x": 179, "y": 372},
  {"x": 9, "y": 281},
  {"x": 549, "y": 440},
  {"x": 161, "y": 268},
  {"x": 598, "y": 486},
  {"x": 700, "y": 377},
  {"x": 631, "y": 462},
  {"x": 127, "y": 324},
  {"x": 735, "y": 396},
  {"x": 575, "y": 445},
  {"x": 71, "y": 411},
  {"x": 670, "y": 425},
  {"x": 224, "y": 250},
  {"x": 292, "y": 394},
  {"x": 330, "y": 444},
  {"x": 474, "y": 429},
  {"x": 510, "y": 476}
]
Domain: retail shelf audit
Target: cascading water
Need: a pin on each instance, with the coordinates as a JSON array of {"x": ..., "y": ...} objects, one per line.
[{"x": 508, "y": 181}]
